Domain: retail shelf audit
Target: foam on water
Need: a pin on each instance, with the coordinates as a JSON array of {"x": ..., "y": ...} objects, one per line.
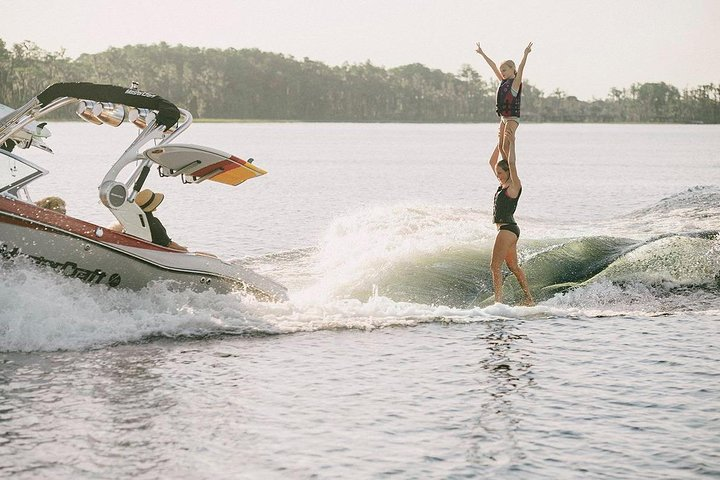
[
  {"x": 44, "y": 311},
  {"x": 72, "y": 315},
  {"x": 380, "y": 267},
  {"x": 439, "y": 255},
  {"x": 697, "y": 208},
  {"x": 359, "y": 248},
  {"x": 673, "y": 261},
  {"x": 605, "y": 298}
]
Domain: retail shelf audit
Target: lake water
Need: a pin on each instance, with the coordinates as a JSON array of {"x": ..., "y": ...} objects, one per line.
[{"x": 388, "y": 360}]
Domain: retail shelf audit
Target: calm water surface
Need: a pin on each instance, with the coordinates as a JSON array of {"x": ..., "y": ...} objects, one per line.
[{"x": 385, "y": 363}]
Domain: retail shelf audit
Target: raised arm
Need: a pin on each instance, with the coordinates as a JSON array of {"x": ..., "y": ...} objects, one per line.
[
  {"x": 489, "y": 62},
  {"x": 494, "y": 158},
  {"x": 518, "y": 77},
  {"x": 515, "y": 186}
]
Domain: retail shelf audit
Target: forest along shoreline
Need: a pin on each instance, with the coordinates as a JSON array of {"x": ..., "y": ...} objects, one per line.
[{"x": 237, "y": 85}]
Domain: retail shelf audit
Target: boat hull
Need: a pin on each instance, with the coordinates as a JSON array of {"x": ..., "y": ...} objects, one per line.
[{"x": 95, "y": 255}]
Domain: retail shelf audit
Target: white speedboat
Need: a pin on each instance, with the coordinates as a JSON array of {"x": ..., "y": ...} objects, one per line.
[{"x": 98, "y": 255}]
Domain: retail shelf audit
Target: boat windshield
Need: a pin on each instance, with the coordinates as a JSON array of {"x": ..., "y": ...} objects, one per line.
[{"x": 16, "y": 173}]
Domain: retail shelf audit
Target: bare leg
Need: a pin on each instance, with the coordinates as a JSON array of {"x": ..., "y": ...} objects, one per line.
[
  {"x": 501, "y": 141},
  {"x": 512, "y": 263},
  {"x": 508, "y": 137},
  {"x": 504, "y": 242}
]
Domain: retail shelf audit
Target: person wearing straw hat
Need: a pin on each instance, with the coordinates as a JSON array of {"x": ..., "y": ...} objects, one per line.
[{"x": 148, "y": 201}]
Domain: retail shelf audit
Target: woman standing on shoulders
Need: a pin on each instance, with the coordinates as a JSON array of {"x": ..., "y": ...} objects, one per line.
[
  {"x": 506, "y": 200},
  {"x": 508, "y": 97}
]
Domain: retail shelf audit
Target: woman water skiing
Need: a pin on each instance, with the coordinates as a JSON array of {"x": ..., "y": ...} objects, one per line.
[{"x": 506, "y": 200}]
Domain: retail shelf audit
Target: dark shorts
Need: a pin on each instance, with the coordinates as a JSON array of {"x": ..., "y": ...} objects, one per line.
[{"x": 511, "y": 227}]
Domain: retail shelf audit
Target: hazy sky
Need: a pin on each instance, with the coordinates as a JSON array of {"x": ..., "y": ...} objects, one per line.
[{"x": 583, "y": 47}]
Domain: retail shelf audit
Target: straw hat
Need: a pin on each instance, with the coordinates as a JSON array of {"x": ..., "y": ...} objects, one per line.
[{"x": 148, "y": 200}]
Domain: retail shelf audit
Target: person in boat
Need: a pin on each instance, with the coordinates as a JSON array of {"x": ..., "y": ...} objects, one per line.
[
  {"x": 55, "y": 204},
  {"x": 148, "y": 201},
  {"x": 506, "y": 200},
  {"x": 508, "y": 97},
  {"x": 9, "y": 145}
]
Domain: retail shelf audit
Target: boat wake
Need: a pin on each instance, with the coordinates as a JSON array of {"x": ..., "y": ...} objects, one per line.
[
  {"x": 440, "y": 255},
  {"x": 395, "y": 266},
  {"x": 71, "y": 315}
]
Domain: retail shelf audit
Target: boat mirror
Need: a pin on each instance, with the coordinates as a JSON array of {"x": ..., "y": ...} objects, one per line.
[
  {"x": 141, "y": 117},
  {"x": 89, "y": 111},
  {"x": 112, "y": 114}
]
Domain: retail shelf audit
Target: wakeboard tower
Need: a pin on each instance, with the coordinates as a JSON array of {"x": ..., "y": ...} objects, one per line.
[{"x": 96, "y": 254}]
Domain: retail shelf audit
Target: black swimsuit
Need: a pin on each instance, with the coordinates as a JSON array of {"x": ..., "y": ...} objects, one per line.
[
  {"x": 512, "y": 227},
  {"x": 503, "y": 210}
]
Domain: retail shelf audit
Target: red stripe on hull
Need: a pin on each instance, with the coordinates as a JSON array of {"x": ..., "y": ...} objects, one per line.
[{"x": 32, "y": 216}]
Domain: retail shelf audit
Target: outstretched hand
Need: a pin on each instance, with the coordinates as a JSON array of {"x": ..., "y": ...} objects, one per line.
[
  {"x": 479, "y": 49},
  {"x": 528, "y": 49}
]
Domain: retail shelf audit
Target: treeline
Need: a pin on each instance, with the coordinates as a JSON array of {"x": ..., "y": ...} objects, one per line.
[{"x": 251, "y": 84}]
